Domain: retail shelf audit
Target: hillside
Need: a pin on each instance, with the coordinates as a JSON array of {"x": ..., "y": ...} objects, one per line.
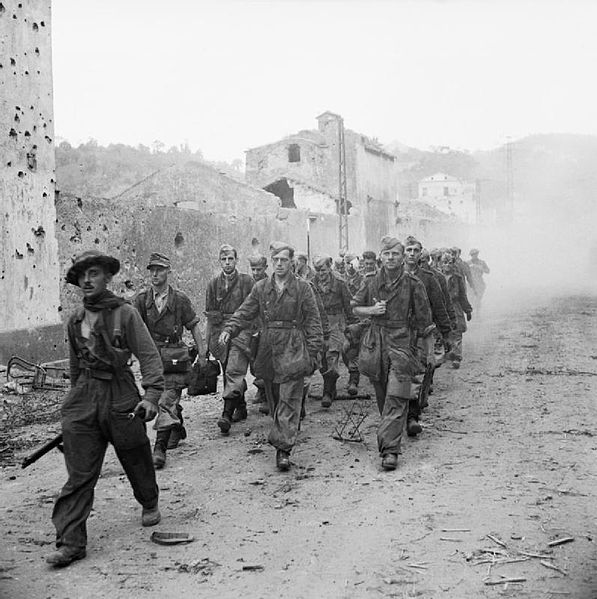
[{"x": 555, "y": 170}]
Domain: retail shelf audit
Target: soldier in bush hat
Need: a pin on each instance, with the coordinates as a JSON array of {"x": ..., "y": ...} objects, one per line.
[
  {"x": 225, "y": 294},
  {"x": 291, "y": 339},
  {"x": 397, "y": 304},
  {"x": 167, "y": 312},
  {"x": 102, "y": 334}
]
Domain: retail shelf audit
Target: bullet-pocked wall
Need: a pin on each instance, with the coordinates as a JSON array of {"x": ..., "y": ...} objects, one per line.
[
  {"x": 184, "y": 212},
  {"x": 29, "y": 290}
]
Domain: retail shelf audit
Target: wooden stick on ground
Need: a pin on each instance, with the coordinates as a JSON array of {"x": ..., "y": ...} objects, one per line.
[{"x": 560, "y": 541}]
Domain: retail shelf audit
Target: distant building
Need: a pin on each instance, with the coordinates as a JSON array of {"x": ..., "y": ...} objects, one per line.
[
  {"x": 303, "y": 171},
  {"x": 451, "y": 196}
]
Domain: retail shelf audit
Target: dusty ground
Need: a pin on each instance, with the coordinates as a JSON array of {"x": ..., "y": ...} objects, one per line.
[{"x": 508, "y": 451}]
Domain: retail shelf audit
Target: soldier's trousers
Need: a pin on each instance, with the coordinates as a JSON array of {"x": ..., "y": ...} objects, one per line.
[
  {"x": 288, "y": 399},
  {"x": 169, "y": 409},
  {"x": 456, "y": 346},
  {"x": 393, "y": 396},
  {"x": 234, "y": 372},
  {"x": 94, "y": 414}
]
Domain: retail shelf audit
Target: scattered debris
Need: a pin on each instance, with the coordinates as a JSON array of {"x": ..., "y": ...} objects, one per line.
[
  {"x": 456, "y": 530},
  {"x": 553, "y": 567},
  {"x": 171, "y": 538},
  {"x": 201, "y": 566},
  {"x": 496, "y": 540},
  {"x": 560, "y": 541},
  {"x": 348, "y": 429},
  {"x": 450, "y": 539},
  {"x": 494, "y": 582},
  {"x": 255, "y": 568}
]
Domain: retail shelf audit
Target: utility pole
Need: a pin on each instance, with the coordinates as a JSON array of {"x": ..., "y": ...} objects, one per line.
[
  {"x": 509, "y": 180},
  {"x": 342, "y": 199}
]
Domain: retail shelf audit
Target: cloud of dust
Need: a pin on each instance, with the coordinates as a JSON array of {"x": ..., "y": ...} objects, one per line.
[{"x": 551, "y": 252}]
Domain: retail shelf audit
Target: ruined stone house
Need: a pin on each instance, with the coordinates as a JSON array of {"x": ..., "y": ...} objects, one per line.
[{"x": 303, "y": 171}]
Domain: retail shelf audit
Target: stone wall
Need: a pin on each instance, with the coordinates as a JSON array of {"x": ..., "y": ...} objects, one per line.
[
  {"x": 184, "y": 212},
  {"x": 29, "y": 294}
]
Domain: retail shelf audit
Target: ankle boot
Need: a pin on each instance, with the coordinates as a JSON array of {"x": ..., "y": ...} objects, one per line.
[
  {"x": 240, "y": 411},
  {"x": 329, "y": 389},
  {"x": 353, "y": 382},
  {"x": 225, "y": 421},
  {"x": 159, "y": 449}
]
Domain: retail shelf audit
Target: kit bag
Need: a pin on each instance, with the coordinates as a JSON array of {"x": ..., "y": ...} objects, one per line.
[
  {"x": 175, "y": 353},
  {"x": 203, "y": 381}
]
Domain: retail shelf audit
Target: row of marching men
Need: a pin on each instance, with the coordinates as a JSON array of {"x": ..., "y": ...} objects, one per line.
[
  {"x": 284, "y": 326},
  {"x": 387, "y": 318}
]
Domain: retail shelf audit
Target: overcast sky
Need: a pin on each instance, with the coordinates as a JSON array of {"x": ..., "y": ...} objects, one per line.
[{"x": 228, "y": 75}]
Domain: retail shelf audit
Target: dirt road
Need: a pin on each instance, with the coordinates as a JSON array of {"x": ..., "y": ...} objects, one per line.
[{"x": 506, "y": 464}]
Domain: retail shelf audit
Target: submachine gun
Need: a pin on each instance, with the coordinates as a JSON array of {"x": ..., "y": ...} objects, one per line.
[{"x": 56, "y": 442}]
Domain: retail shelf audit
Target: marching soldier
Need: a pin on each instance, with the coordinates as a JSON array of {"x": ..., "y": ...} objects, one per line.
[
  {"x": 102, "y": 335},
  {"x": 291, "y": 339},
  {"x": 336, "y": 300},
  {"x": 369, "y": 263},
  {"x": 225, "y": 294},
  {"x": 303, "y": 270},
  {"x": 478, "y": 268},
  {"x": 258, "y": 264},
  {"x": 457, "y": 290},
  {"x": 166, "y": 312},
  {"x": 462, "y": 267},
  {"x": 397, "y": 304},
  {"x": 412, "y": 251}
]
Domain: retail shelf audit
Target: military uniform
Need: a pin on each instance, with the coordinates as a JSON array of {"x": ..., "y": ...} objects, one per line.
[
  {"x": 336, "y": 301},
  {"x": 166, "y": 326},
  {"x": 102, "y": 336},
  {"x": 477, "y": 268},
  {"x": 387, "y": 355},
  {"x": 457, "y": 290},
  {"x": 224, "y": 295},
  {"x": 291, "y": 339}
]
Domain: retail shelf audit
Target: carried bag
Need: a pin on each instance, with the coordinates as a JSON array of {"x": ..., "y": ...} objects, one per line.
[
  {"x": 370, "y": 353},
  {"x": 175, "y": 358},
  {"x": 203, "y": 381}
]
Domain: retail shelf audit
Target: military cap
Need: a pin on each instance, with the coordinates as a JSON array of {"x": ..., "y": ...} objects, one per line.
[
  {"x": 349, "y": 258},
  {"x": 302, "y": 256},
  {"x": 435, "y": 252},
  {"x": 225, "y": 248},
  {"x": 319, "y": 261},
  {"x": 455, "y": 250},
  {"x": 258, "y": 260},
  {"x": 411, "y": 240},
  {"x": 388, "y": 243},
  {"x": 90, "y": 258},
  {"x": 474, "y": 251},
  {"x": 157, "y": 259},
  {"x": 275, "y": 247},
  {"x": 425, "y": 255}
]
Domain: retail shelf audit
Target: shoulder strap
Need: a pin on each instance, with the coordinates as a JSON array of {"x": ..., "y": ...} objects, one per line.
[{"x": 117, "y": 331}]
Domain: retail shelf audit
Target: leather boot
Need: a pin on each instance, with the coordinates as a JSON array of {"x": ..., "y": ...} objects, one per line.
[
  {"x": 225, "y": 421},
  {"x": 159, "y": 449},
  {"x": 240, "y": 411},
  {"x": 353, "y": 382},
  {"x": 282, "y": 460},
  {"x": 329, "y": 389}
]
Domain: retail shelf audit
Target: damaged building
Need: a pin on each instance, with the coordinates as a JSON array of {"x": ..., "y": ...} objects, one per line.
[{"x": 303, "y": 170}]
